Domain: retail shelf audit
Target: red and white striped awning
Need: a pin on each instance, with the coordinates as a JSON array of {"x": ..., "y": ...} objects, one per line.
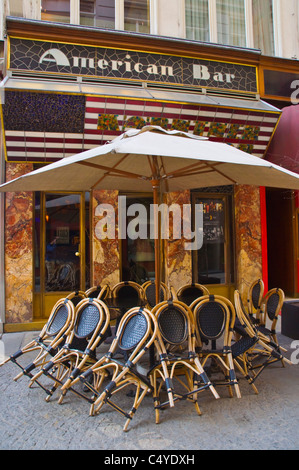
[{"x": 40, "y": 126}]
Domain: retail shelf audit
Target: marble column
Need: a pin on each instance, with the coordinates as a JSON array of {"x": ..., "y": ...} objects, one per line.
[
  {"x": 178, "y": 261},
  {"x": 18, "y": 249},
  {"x": 248, "y": 237},
  {"x": 105, "y": 252}
]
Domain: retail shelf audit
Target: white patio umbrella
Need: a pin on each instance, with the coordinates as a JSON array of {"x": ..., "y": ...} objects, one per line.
[{"x": 155, "y": 158}]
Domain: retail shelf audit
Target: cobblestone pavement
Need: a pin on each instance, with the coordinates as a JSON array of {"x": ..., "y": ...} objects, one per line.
[{"x": 269, "y": 420}]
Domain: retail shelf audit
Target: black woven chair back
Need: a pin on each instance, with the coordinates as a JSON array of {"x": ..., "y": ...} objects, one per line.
[
  {"x": 211, "y": 319},
  {"x": 58, "y": 319},
  {"x": 150, "y": 293},
  {"x": 255, "y": 295},
  {"x": 87, "y": 320},
  {"x": 190, "y": 294},
  {"x": 272, "y": 305},
  {"x": 76, "y": 300},
  {"x": 133, "y": 331},
  {"x": 127, "y": 296},
  {"x": 173, "y": 326},
  {"x": 93, "y": 294}
]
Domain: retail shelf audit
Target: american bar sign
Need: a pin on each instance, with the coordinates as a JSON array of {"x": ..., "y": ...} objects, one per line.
[{"x": 80, "y": 60}]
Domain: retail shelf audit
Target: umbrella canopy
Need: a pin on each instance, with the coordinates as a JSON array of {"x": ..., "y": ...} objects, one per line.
[
  {"x": 155, "y": 158},
  {"x": 179, "y": 160}
]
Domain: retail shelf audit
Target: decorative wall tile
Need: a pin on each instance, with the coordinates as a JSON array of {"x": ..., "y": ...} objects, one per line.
[
  {"x": 248, "y": 237},
  {"x": 18, "y": 250},
  {"x": 105, "y": 253}
]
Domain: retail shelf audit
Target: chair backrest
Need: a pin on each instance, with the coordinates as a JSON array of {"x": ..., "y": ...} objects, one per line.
[
  {"x": 98, "y": 292},
  {"x": 136, "y": 332},
  {"x": 76, "y": 296},
  {"x": 243, "y": 316},
  {"x": 190, "y": 292},
  {"x": 175, "y": 322},
  {"x": 91, "y": 323},
  {"x": 255, "y": 296},
  {"x": 272, "y": 304},
  {"x": 214, "y": 316},
  {"x": 61, "y": 319},
  {"x": 128, "y": 293},
  {"x": 149, "y": 288}
]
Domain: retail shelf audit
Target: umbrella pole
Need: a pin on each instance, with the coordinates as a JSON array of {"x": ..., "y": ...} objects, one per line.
[{"x": 155, "y": 185}]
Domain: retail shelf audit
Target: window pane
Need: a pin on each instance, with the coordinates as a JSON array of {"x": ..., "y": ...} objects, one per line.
[
  {"x": 137, "y": 16},
  {"x": 138, "y": 252},
  {"x": 58, "y": 11},
  {"x": 99, "y": 13},
  {"x": 231, "y": 22},
  {"x": 197, "y": 20},
  {"x": 213, "y": 263},
  {"x": 263, "y": 26}
]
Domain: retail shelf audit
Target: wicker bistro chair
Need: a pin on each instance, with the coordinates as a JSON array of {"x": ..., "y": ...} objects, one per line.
[
  {"x": 76, "y": 296},
  {"x": 214, "y": 318},
  {"x": 98, "y": 292},
  {"x": 190, "y": 292},
  {"x": 51, "y": 337},
  {"x": 79, "y": 352},
  {"x": 271, "y": 306},
  {"x": 136, "y": 333},
  {"x": 254, "y": 300},
  {"x": 149, "y": 288},
  {"x": 252, "y": 346},
  {"x": 186, "y": 377},
  {"x": 126, "y": 294}
]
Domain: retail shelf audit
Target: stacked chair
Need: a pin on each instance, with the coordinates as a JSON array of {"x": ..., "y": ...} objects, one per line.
[
  {"x": 176, "y": 326},
  {"x": 191, "y": 292},
  {"x": 136, "y": 333},
  {"x": 149, "y": 288},
  {"x": 50, "y": 339},
  {"x": 191, "y": 343},
  {"x": 254, "y": 351},
  {"x": 91, "y": 324},
  {"x": 214, "y": 318}
]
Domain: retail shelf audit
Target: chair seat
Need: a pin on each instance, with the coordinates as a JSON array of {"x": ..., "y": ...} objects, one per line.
[
  {"x": 241, "y": 346},
  {"x": 265, "y": 331}
]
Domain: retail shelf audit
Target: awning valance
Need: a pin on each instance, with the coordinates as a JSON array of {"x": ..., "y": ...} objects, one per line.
[{"x": 47, "y": 120}]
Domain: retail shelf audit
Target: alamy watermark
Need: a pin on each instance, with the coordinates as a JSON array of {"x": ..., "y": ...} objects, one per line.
[
  {"x": 295, "y": 93},
  {"x": 111, "y": 225},
  {"x": 295, "y": 354}
]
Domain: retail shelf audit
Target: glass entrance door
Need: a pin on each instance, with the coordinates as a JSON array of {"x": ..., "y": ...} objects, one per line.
[{"x": 61, "y": 247}]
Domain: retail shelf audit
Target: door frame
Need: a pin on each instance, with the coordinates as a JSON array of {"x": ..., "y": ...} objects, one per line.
[{"x": 43, "y": 301}]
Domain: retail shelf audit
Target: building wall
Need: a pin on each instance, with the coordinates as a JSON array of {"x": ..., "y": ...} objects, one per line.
[{"x": 171, "y": 21}]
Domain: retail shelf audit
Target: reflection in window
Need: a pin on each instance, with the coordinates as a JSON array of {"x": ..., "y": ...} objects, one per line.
[
  {"x": 136, "y": 15},
  {"x": 98, "y": 13},
  {"x": 197, "y": 20},
  {"x": 263, "y": 26},
  {"x": 58, "y": 11},
  {"x": 231, "y": 22},
  {"x": 212, "y": 263},
  {"x": 138, "y": 253}
]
